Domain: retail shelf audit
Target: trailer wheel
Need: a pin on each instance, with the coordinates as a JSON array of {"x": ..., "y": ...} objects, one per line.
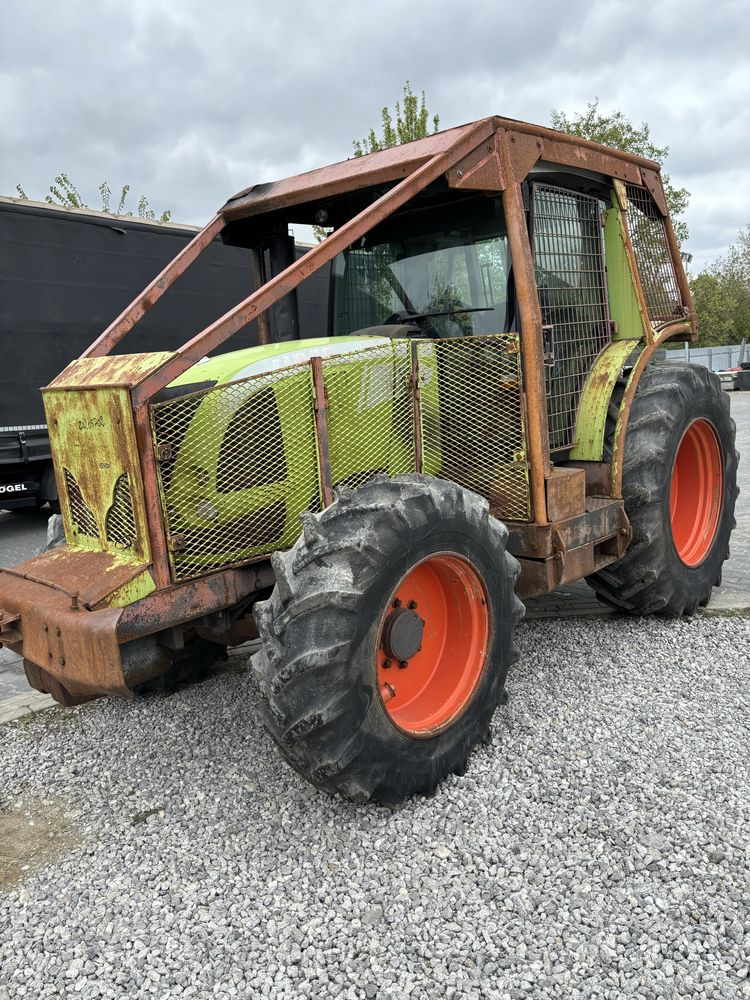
[
  {"x": 679, "y": 484},
  {"x": 388, "y": 638}
]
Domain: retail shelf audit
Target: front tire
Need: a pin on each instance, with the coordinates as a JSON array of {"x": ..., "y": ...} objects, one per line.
[
  {"x": 363, "y": 695},
  {"x": 679, "y": 484}
]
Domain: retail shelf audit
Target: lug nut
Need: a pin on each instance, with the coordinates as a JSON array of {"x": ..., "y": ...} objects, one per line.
[
  {"x": 403, "y": 664},
  {"x": 412, "y": 605},
  {"x": 397, "y": 603},
  {"x": 387, "y": 664},
  {"x": 387, "y": 691}
]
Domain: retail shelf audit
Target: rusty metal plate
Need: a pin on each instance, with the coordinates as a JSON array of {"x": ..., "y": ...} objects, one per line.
[{"x": 98, "y": 472}]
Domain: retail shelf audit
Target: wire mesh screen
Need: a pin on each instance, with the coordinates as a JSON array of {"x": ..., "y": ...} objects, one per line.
[
  {"x": 472, "y": 418},
  {"x": 370, "y": 413},
  {"x": 571, "y": 278},
  {"x": 119, "y": 521},
  {"x": 239, "y": 463},
  {"x": 237, "y": 466},
  {"x": 648, "y": 234},
  {"x": 81, "y": 516}
]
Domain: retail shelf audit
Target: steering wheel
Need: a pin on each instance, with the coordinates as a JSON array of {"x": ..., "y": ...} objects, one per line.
[{"x": 406, "y": 318}]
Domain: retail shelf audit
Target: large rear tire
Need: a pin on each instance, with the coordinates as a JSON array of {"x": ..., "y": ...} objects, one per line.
[
  {"x": 388, "y": 638},
  {"x": 679, "y": 484}
]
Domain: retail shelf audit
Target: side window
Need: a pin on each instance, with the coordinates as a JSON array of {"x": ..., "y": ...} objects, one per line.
[
  {"x": 648, "y": 235},
  {"x": 568, "y": 246}
]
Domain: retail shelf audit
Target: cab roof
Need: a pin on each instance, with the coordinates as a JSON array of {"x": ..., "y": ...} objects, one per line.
[{"x": 531, "y": 143}]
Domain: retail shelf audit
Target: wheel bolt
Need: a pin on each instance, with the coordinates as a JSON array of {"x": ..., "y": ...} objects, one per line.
[
  {"x": 387, "y": 664},
  {"x": 412, "y": 605},
  {"x": 403, "y": 664},
  {"x": 387, "y": 691},
  {"x": 397, "y": 603}
]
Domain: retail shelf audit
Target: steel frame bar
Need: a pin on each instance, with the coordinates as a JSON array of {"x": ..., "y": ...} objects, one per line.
[
  {"x": 264, "y": 322},
  {"x": 417, "y": 406},
  {"x": 153, "y": 292},
  {"x": 321, "y": 430},
  {"x": 682, "y": 281},
  {"x": 160, "y": 561},
  {"x": 282, "y": 284},
  {"x": 530, "y": 316},
  {"x": 618, "y": 450}
]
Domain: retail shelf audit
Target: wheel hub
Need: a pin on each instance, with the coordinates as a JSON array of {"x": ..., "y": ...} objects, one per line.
[
  {"x": 402, "y": 634},
  {"x": 696, "y": 491},
  {"x": 436, "y": 629}
]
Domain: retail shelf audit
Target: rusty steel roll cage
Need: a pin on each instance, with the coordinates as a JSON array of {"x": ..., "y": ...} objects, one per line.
[
  {"x": 577, "y": 525},
  {"x": 493, "y": 155}
]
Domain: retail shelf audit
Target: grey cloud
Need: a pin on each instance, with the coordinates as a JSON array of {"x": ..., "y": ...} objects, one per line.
[{"x": 189, "y": 101}]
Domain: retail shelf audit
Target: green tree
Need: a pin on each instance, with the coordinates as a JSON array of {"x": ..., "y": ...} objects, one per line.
[
  {"x": 64, "y": 192},
  {"x": 721, "y": 294},
  {"x": 617, "y": 131},
  {"x": 412, "y": 122}
]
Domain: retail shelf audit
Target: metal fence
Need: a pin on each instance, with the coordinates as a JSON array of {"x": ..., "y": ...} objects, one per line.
[{"x": 716, "y": 358}]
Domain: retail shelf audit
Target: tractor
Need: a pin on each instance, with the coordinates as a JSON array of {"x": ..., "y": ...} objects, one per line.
[{"x": 482, "y": 420}]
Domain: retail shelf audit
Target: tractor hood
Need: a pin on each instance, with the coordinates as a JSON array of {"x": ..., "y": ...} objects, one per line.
[{"x": 225, "y": 368}]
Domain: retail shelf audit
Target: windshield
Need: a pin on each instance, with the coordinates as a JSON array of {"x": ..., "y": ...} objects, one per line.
[{"x": 450, "y": 261}]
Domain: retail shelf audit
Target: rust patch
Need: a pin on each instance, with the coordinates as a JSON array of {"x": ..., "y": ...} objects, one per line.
[
  {"x": 87, "y": 575},
  {"x": 124, "y": 370},
  {"x": 481, "y": 170},
  {"x": 525, "y": 150}
]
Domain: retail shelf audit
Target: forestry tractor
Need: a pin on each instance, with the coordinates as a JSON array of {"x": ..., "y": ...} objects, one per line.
[{"x": 482, "y": 420}]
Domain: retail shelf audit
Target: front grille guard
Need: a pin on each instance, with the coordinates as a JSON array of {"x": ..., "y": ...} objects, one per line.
[{"x": 286, "y": 440}]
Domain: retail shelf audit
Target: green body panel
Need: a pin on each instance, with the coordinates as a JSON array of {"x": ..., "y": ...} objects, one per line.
[
  {"x": 193, "y": 501},
  {"x": 624, "y": 303},
  {"x": 99, "y": 484},
  {"x": 625, "y": 310},
  {"x": 370, "y": 430},
  {"x": 266, "y": 357},
  {"x": 243, "y": 461},
  {"x": 96, "y": 455},
  {"x": 592, "y": 409},
  {"x": 140, "y": 586}
]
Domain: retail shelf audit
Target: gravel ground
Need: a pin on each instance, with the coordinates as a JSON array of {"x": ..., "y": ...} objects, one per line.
[{"x": 599, "y": 847}]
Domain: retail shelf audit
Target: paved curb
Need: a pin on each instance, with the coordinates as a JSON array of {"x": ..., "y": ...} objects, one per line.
[{"x": 28, "y": 703}]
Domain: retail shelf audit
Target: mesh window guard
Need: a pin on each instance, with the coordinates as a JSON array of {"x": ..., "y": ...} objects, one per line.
[
  {"x": 569, "y": 262},
  {"x": 238, "y": 463},
  {"x": 648, "y": 234},
  {"x": 472, "y": 419}
]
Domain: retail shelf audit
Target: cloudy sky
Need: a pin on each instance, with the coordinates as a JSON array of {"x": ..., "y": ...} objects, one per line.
[{"x": 191, "y": 100}]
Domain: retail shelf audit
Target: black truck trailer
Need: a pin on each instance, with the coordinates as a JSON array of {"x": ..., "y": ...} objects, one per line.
[{"x": 65, "y": 274}]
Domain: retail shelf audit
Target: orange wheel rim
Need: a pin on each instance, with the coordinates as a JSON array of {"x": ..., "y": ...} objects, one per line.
[
  {"x": 432, "y": 644},
  {"x": 695, "y": 492}
]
